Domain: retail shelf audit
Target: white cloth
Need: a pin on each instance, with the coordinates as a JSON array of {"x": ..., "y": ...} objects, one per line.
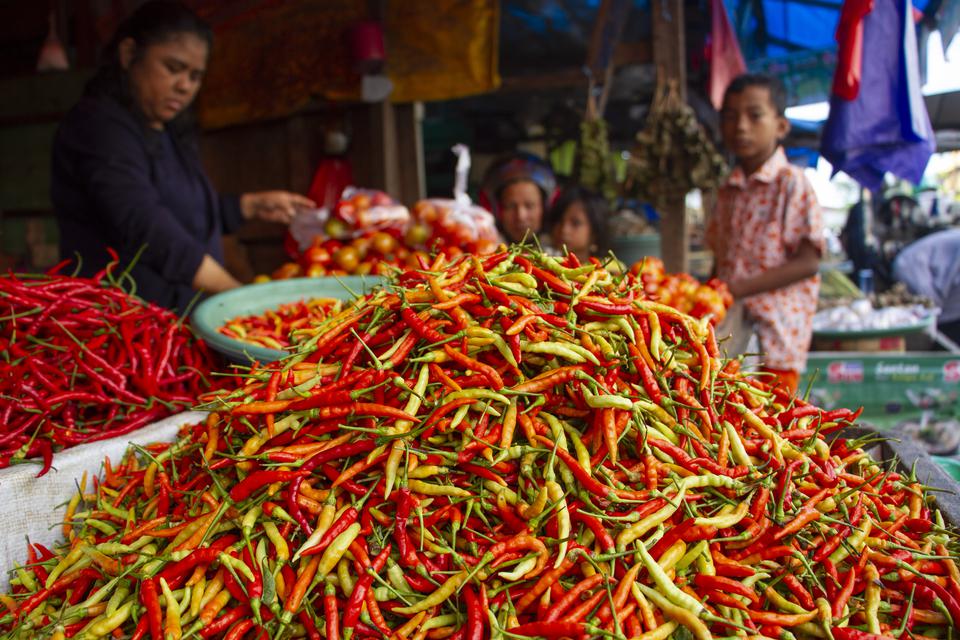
[{"x": 33, "y": 508}]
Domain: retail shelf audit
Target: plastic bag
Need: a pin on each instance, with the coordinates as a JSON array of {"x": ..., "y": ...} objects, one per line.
[
  {"x": 368, "y": 209},
  {"x": 359, "y": 211},
  {"x": 306, "y": 225},
  {"x": 442, "y": 224}
]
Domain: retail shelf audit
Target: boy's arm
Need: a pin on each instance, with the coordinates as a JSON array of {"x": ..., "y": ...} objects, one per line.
[{"x": 802, "y": 264}]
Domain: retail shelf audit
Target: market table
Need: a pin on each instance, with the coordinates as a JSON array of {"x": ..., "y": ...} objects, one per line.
[{"x": 33, "y": 507}]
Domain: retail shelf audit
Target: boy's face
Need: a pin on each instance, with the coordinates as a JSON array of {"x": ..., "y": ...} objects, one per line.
[{"x": 751, "y": 126}]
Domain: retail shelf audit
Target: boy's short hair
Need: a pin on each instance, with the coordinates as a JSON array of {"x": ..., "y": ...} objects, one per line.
[{"x": 778, "y": 93}]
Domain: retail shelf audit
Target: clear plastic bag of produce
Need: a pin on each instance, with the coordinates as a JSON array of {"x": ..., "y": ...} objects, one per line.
[
  {"x": 306, "y": 225},
  {"x": 358, "y": 211},
  {"x": 440, "y": 224},
  {"x": 367, "y": 209}
]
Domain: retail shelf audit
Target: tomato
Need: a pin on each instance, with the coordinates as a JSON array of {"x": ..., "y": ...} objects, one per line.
[
  {"x": 316, "y": 254},
  {"x": 383, "y": 243},
  {"x": 362, "y": 245},
  {"x": 360, "y": 201},
  {"x": 347, "y": 258},
  {"x": 417, "y": 235},
  {"x": 425, "y": 211},
  {"x": 316, "y": 270},
  {"x": 336, "y": 228},
  {"x": 287, "y": 270},
  {"x": 261, "y": 278},
  {"x": 364, "y": 268}
]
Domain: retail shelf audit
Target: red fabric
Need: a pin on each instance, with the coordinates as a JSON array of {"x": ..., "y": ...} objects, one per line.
[
  {"x": 333, "y": 175},
  {"x": 726, "y": 61},
  {"x": 846, "y": 79}
]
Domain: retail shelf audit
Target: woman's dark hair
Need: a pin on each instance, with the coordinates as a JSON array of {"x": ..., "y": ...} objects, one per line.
[
  {"x": 153, "y": 22},
  {"x": 595, "y": 206}
]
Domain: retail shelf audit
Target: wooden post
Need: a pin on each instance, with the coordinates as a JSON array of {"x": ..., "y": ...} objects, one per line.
[
  {"x": 413, "y": 181},
  {"x": 387, "y": 150},
  {"x": 669, "y": 54}
]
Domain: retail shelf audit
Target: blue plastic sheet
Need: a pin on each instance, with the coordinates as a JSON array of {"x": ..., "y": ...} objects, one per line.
[{"x": 886, "y": 127}]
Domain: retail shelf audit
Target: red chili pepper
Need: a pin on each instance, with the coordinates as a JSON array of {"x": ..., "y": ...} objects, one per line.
[
  {"x": 346, "y": 519},
  {"x": 725, "y": 585},
  {"x": 849, "y": 633},
  {"x": 419, "y": 325},
  {"x": 476, "y": 615},
  {"x": 323, "y": 457},
  {"x": 470, "y": 363},
  {"x": 552, "y": 629},
  {"x": 151, "y": 602},
  {"x": 258, "y": 479},
  {"x": 352, "y": 609},
  {"x": 799, "y": 591}
]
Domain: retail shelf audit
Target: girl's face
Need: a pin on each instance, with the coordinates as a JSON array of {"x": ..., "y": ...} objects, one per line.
[
  {"x": 166, "y": 76},
  {"x": 522, "y": 205},
  {"x": 573, "y": 231}
]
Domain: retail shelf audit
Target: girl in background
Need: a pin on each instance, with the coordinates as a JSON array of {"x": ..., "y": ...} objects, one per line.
[{"x": 577, "y": 222}]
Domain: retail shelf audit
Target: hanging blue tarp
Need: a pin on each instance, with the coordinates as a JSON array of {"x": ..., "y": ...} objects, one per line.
[
  {"x": 884, "y": 127},
  {"x": 795, "y": 40}
]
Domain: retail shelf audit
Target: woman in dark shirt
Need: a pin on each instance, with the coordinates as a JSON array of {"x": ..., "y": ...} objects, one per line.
[{"x": 126, "y": 170}]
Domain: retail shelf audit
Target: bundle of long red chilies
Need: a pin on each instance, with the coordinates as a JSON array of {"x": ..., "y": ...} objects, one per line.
[
  {"x": 82, "y": 360},
  {"x": 504, "y": 447}
]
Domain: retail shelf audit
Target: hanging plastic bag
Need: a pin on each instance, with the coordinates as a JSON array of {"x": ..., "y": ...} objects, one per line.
[{"x": 456, "y": 225}]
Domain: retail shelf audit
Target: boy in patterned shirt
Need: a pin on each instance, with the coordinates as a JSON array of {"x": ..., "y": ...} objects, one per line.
[{"x": 765, "y": 232}]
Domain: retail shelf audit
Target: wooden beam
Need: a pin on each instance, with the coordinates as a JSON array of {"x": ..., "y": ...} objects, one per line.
[
  {"x": 596, "y": 37},
  {"x": 625, "y": 53},
  {"x": 413, "y": 181},
  {"x": 669, "y": 54}
]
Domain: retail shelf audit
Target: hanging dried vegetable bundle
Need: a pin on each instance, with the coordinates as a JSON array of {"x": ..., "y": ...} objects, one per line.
[{"x": 673, "y": 153}]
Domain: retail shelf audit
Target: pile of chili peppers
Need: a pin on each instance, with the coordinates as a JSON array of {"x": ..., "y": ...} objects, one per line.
[
  {"x": 82, "y": 360},
  {"x": 502, "y": 447},
  {"x": 278, "y": 328}
]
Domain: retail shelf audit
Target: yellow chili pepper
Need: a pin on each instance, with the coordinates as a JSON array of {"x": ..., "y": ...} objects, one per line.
[
  {"x": 171, "y": 627},
  {"x": 428, "y": 489},
  {"x": 725, "y": 520},
  {"x": 445, "y": 590},
  {"x": 332, "y": 554},
  {"x": 279, "y": 544}
]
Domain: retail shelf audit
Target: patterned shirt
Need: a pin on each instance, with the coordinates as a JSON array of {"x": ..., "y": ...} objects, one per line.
[{"x": 759, "y": 222}]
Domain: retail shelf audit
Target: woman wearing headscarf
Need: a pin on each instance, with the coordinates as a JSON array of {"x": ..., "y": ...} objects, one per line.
[{"x": 126, "y": 169}]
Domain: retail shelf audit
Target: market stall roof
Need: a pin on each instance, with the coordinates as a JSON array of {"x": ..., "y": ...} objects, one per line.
[{"x": 944, "y": 110}]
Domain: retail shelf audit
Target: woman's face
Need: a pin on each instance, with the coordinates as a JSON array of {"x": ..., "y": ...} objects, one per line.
[
  {"x": 166, "y": 76},
  {"x": 573, "y": 231},
  {"x": 522, "y": 205}
]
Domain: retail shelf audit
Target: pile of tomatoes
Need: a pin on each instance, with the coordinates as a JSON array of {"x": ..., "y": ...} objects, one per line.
[
  {"x": 684, "y": 292},
  {"x": 372, "y": 252},
  {"x": 369, "y": 233}
]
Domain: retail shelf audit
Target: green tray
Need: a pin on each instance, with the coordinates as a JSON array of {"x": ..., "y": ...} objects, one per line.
[
  {"x": 215, "y": 311},
  {"x": 918, "y": 327},
  {"x": 950, "y": 465}
]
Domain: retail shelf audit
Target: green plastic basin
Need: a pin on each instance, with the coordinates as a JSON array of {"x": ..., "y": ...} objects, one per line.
[
  {"x": 633, "y": 249},
  {"x": 950, "y": 465},
  {"x": 216, "y": 311}
]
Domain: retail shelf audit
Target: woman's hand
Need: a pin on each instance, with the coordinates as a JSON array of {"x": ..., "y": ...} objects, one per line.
[{"x": 273, "y": 206}]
